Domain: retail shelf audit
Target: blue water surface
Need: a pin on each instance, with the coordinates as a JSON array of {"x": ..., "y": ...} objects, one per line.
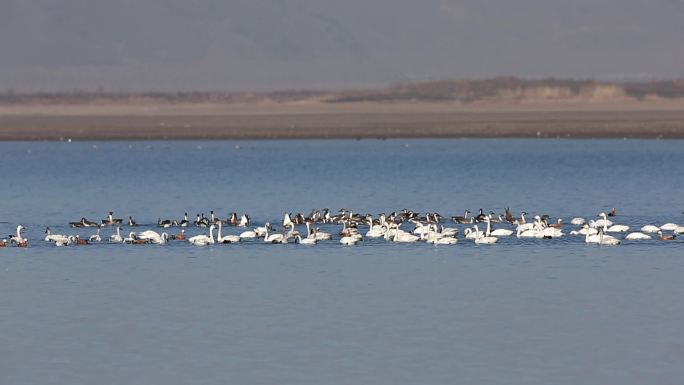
[{"x": 519, "y": 312}]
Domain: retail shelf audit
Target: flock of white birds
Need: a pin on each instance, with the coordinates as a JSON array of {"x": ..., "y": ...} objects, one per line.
[{"x": 405, "y": 226}]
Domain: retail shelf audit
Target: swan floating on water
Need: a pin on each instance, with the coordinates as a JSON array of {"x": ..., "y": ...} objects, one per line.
[
  {"x": 669, "y": 226},
  {"x": 637, "y": 236},
  {"x": 18, "y": 240},
  {"x": 601, "y": 239},
  {"x": 577, "y": 221},
  {"x": 116, "y": 237},
  {"x": 95, "y": 237},
  {"x": 203, "y": 240},
  {"x": 227, "y": 238},
  {"x": 650, "y": 229}
]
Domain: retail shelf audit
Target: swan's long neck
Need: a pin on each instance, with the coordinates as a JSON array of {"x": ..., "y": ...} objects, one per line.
[
  {"x": 211, "y": 234},
  {"x": 522, "y": 217},
  {"x": 18, "y": 232},
  {"x": 118, "y": 231},
  {"x": 605, "y": 224},
  {"x": 477, "y": 232},
  {"x": 489, "y": 227},
  {"x": 219, "y": 231}
]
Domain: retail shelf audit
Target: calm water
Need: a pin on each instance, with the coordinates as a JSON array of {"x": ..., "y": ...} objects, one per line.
[{"x": 532, "y": 312}]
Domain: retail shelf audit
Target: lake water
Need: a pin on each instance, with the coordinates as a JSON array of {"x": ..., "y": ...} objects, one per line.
[{"x": 521, "y": 311}]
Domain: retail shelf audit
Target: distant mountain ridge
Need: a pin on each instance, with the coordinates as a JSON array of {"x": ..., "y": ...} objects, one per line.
[{"x": 169, "y": 45}]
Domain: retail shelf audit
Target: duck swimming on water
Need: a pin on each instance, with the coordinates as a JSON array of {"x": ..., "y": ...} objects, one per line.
[
  {"x": 110, "y": 220},
  {"x": 184, "y": 222},
  {"x": 179, "y": 237},
  {"x": 666, "y": 237},
  {"x": 83, "y": 223}
]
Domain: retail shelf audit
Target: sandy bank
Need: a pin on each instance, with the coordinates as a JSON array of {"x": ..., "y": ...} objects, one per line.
[{"x": 632, "y": 119}]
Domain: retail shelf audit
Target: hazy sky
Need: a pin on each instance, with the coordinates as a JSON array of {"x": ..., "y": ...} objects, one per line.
[{"x": 136, "y": 45}]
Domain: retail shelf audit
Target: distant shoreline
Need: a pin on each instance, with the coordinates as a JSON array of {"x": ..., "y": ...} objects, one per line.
[
  {"x": 504, "y": 107},
  {"x": 342, "y": 121}
]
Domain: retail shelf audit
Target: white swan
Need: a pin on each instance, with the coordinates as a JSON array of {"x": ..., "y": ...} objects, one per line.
[
  {"x": 551, "y": 232},
  {"x": 448, "y": 231},
  {"x": 116, "y": 238},
  {"x": 162, "y": 240},
  {"x": 148, "y": 234},
  {"x": 275, "y": 238},
  {"x": 287, "y": 221},
  {"x": 153, "y": 237},
  {"x": 349, "y": 240},
  {"x": 249, "y": 234},
  {"x": 130, "y": 238},
  {"x": 376, "y": 231},
  {"x": 244, "y": 221},
  {"x": 18, "y": 239},
  {"x": 96, "y": 237},
  {"x": 49, "y": 237},
  {"x": 601, "y": 222},
  {"x": 446, "y": 241},
  {"x": 66, "y": 241},
  {"x": 502, "y": 233},
  {"x": 395, "y": 234},
  {"x": 601, "y": 239},
  {"x": 637, "y": 236},
  {"x": 227, "y": 238},
  {"x": 262, "y": 230},
  {"x": 432, "y": 234},
  {"x": 480, "y": 240},
  {"x": 612, "y": 228},
  {"x": 470, "y": 234},
  {"x": 530, "y": 233},
  {"x": 650, "y": 229},
  {"x": 317, "y": 233},
  {"x": 577, "y": 221},
  {"x": 585, "y": 230},
  {"x": 323, "y": 236},
  {"x": 305, "y": 241},
  {"x": 497, "y": 232},
  {"x": 669, "y": 226},
  {"x": 529, "y": 226},
  {"x": 203, "y": 240}
]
